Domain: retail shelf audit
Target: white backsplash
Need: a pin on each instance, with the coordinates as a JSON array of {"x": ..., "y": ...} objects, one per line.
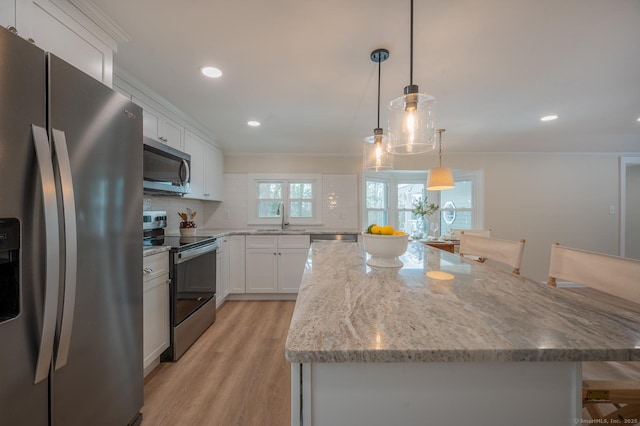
[
  {"x": 339, "y": 203},
  {"x": 173, "y": 205}
]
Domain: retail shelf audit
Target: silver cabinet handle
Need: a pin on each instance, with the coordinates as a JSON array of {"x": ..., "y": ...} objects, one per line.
[
  {"x": 70, "y": 243},
  {"x": 52, "y": 237},
  {"x": 147, "y": 270}
]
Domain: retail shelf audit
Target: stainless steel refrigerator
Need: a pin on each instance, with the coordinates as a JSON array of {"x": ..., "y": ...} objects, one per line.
[{"x": 70, "y": 245}]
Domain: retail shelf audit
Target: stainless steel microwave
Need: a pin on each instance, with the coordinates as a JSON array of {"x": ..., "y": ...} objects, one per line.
[{"x": 165, "y": 169}]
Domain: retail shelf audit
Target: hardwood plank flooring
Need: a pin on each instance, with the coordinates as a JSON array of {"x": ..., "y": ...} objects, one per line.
[{"x": 234, "y": 375}]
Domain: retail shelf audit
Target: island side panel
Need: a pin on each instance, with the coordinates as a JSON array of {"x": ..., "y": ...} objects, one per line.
[{"x": 370, "y": 394}]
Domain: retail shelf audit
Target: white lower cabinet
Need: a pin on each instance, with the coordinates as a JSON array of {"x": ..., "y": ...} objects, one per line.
[
  {"x": 237, "y": 264},
  {"x": 275, "y": 264},
  {"x": 155, "y": 309},
  {"x": 222, "y": 270}
]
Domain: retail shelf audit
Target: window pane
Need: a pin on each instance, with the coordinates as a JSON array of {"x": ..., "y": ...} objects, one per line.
[
  {"x": 408, "y": 194},
  {"x": 268, "y": 208},
  {"x": 300, "y": 209},
  {"x": 301, "y": 190},
  {"x": 406, "y": 221},
  {"x": 461, "y": 220},
  {"x": 461, "y": 196},
  {"x": 270, "y": 190},
  {"x": 376, "y": 216},
  {"x": 376, "y": 195}
]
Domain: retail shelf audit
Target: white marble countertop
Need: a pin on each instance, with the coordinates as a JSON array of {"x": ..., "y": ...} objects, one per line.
[
  {"x": 346, "y": 312},
  {"x": 148, "y": 251},
  {"x": 294, "y": 230}
]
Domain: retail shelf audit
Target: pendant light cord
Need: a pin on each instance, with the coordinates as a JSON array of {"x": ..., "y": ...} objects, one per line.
[
  {"x": 379, "y": 75},
  {"x": 411, "y": 49},
  {"x": 440, "y": 147}
]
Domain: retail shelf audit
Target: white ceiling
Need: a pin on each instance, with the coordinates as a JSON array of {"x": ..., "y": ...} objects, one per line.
[{"x": 303, "y": 68}]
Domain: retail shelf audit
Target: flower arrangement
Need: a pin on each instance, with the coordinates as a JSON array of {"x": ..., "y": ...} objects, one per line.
[
  {"x": 187, "y": 219},
  {"x": 423, "y": 208}
]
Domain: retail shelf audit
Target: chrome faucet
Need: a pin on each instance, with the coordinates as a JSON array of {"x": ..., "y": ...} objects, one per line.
[{"x": 280, "y": 212}]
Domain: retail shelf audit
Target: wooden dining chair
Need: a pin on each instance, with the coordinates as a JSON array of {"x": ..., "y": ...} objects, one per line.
[
  {"x": 483, "y": 248},
  {"x": 610, "y": 390}
]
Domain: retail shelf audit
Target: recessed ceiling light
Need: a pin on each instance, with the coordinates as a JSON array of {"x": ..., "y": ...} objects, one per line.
[
  {"x": 549, "y": 118},
  {"x": 211, "y": 72},
  {"x": 253, "y": 123},
  {"x": 638, "y": 118}
]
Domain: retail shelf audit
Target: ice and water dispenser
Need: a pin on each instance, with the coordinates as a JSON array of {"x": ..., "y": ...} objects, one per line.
[{"x": 9, "y": 268}]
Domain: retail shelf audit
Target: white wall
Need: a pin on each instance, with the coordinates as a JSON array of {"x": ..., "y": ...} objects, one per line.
[{"x": 539, "y": 197}]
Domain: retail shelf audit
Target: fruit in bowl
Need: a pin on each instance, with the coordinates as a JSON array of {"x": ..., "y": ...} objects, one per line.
[{"x": 384, "y": 244}]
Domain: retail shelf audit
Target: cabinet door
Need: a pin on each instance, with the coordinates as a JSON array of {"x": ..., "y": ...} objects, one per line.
[
  {"x": 225, "y": 270},
  {"x": 155, "y": 318},
  {"x": 150, "y": 120},
  {"x": 291, "y": 264},
  {"x": 213, "y": 171},
  {"x": 194, "y": 146},
  {"x": 261, "y": 271},
  {"x": 172, "y": 133},
  {"x": 237, "y": 264}
]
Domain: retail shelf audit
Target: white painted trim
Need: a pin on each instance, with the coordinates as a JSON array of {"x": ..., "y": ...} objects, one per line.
[
  {"x": 252, "y": 214},
  {"x": 77, "y": 14},
  {"x": 102, "y": 20},
  {"x": 137, "y": 88},
  {"x": 624, "y": 162}
]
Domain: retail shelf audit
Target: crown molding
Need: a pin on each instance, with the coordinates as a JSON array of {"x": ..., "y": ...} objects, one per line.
[{"x": 106, "y": 24}]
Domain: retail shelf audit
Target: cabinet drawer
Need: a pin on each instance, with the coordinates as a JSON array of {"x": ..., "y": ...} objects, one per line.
[
  {"x": 155, "y": 265},
  {"x": 293, "y": 241},
  {"x": 262, "y": 241}
]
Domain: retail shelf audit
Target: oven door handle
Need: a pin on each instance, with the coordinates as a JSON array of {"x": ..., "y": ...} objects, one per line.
[{"x": 183, "y": 256}]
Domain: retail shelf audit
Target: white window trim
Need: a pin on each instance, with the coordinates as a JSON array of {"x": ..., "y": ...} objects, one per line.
[
  {"x": 393, "y": 178},
  {"x": 285, "y": 178}
]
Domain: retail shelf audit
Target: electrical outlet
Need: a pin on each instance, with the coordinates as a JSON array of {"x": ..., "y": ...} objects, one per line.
[{"x": 612, "y": 209}]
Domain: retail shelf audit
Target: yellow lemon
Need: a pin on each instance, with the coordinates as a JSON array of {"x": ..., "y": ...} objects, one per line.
[
  {"x": 387, "y": 230},
  {"x": 375, "y": 229},
  {"x": 398, "y": 233}
]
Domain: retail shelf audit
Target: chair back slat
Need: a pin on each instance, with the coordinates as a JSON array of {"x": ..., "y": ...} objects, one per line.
[
  {"x": 615, "y": 275},
  {"x": 504, "y": 251}
]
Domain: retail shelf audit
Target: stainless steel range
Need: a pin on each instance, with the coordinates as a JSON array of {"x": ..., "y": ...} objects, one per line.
[{"x": 192, "y": 270}]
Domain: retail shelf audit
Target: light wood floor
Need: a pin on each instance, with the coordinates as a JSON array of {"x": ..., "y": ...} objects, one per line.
[{"x": 234, "y": 375}]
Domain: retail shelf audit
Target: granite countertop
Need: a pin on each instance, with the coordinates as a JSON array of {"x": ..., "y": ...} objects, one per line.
[
  {"x": 148, "y": 251},
  {"x": 274, "y": 231},
  {"x": 347, "y": 312}
]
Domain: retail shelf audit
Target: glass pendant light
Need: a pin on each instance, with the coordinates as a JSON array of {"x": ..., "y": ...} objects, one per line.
[
  {"x": 440, "y": 178},
  {"x": 411, "y": 117},
  {"x": 376, "y": 157}
]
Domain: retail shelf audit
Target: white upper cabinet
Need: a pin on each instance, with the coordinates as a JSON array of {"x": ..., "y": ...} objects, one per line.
[
  {"x": 206, "y": 168},
  {"x": 213, "y": 173},
  {"x": 60, "y": 28},
  {"x": 157, "y": 126}
]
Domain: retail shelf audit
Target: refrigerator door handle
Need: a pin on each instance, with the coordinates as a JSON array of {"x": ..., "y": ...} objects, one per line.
[
  {"x": 52, "y": 262},
  {"x": 71, "y": 246}
]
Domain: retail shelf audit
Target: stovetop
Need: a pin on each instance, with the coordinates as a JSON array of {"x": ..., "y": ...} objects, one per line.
[{"x": 177, "y": 243}]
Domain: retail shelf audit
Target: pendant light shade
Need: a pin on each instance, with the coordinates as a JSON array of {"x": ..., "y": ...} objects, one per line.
[
  {"x": 411, "y": 117},
  {"x": 376, "y": 156},
  {"x": 440, "y": 178}
]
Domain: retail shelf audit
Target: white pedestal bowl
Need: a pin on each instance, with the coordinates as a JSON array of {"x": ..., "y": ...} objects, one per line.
[{"x": 385, "y": 249}]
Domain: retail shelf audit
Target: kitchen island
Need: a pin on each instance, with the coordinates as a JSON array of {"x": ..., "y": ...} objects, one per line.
[{"x": 442, "y": 341}]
